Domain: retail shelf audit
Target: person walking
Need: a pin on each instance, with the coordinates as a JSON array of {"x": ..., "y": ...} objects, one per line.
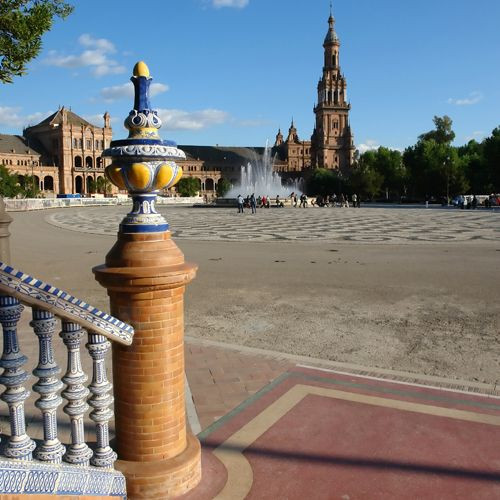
[
  {"x": 253, "y": 203},
  {"x": 240, "y": 204},
  {"x": 354, "y": 200}
]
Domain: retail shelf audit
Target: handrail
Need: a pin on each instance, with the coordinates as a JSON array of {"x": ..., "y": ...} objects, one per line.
[{"x": 36, "y": 293}]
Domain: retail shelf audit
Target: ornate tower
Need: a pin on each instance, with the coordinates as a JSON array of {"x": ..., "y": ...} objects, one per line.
[
  {"x": 279, "y": 139},
  {"x": 332, "y": 139}
]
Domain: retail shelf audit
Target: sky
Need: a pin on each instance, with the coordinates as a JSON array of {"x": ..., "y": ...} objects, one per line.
[{"x": 231, "y": 72}]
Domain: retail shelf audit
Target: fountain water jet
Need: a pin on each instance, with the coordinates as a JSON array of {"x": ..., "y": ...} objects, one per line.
[{"x": 258, "y": 177}]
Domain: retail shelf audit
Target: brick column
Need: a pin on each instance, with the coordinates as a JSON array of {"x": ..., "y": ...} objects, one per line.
[{"x": 145, "y": 275}]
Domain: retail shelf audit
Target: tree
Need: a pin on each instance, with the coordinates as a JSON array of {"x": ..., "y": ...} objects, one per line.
[
  {"x": 188, "y": 186},
  {"x": 391, "y": 174},
  {"x": 223, "y": 186},
  {"x": 323, "y": 182},
  {"x": 29, "y": 187},
  {"x": 365, "y": 181},
  {"x": 9, "y": 185},
  {"x": 22, "y": 24},
  {"x": 491, "y": 153},
  {"x": 103, "y": 185},
  {"x": 471, "y": 157},
  {"x": 100, "y": 185},
  {"x": 443, "y": 133},
  {"x": 434, "y": 169}
]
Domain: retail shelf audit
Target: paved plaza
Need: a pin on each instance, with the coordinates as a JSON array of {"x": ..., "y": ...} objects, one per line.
[
  {"x": 395, "y": 288},
  {"x": 365, "y": 225},
  {"x": 399, "y": 324}
]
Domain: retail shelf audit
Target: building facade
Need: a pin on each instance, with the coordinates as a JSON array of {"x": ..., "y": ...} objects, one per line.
[
  {"x": 62, "y": 153},
  {"x": 74, "y": 146}
]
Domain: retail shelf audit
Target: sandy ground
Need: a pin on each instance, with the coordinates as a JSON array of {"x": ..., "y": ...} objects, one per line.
[{"x": 430, "y": 309}]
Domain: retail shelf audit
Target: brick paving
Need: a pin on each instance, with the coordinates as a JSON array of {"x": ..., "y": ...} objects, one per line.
[
  {"x": 220, "y": 378},
  {"x": 365, "y": 225},
  {"x": 321, "y": 434}
]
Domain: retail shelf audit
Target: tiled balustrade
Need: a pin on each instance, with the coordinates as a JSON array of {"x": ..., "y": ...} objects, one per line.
[{"x": 48, "y": 466}]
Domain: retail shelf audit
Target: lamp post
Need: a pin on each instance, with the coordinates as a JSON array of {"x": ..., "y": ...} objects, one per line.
[{"x": 447, "y": 166}]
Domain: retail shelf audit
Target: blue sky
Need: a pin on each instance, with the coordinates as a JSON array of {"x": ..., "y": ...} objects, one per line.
[{"x": 230, "y": 72}]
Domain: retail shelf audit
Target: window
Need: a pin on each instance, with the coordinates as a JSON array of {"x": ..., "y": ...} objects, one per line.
[
  {"x": 80, "y": 143},
  {"x": 89, "y": 144},
  {"x": 75, "y": 143},
  {"x": 97, "y": 144}
]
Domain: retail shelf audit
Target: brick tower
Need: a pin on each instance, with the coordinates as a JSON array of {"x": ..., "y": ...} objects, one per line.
[{"x": 332, "y": 139}]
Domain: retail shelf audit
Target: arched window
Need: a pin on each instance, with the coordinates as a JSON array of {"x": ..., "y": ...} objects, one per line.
[
  {"x": 48, "y": 183},
  {"x": 78, "y": 184},
  {"x": 334, "y": 59},
  {"x": 209, "y": 185},
  {"x": 78, "y": 162},
  {"x": 99, "y": 162},
  {"x": 89, "y": 162}
]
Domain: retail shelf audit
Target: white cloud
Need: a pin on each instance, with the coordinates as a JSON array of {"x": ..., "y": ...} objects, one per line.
[
  {"x": 177, "y": 119},
  {"x": 95, "y": 56},
  {"x": 239, "y": 4},
  {"x": 126, "y": 90},
  {"x": 96, "y": 43},
  {"x": 12, "y": 117},
  {"x": 473, "y": 98},
  {"x": 369, "y": 145}
]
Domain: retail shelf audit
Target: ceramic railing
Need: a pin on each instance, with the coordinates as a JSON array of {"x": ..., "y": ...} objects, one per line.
[{"x": 80, "y": 469}]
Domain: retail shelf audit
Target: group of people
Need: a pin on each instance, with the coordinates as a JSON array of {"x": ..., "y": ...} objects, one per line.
[
  {"x": 337, "y": 201},
  {"x": 473, "y": 201},
  {"x": 260, "y": 202},
  {"x": 320, "y": 201},
  {"x": 326, "y": 201}
]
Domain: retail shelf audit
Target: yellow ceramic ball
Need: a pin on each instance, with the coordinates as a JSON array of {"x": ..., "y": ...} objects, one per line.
[
  {"x": 138, "y": 176},
  {"x": 141, "y": 69},
  {"x": 114, "y": 174}
]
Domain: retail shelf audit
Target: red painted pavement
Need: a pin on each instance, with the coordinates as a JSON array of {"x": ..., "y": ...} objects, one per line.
[{"x": 329, "y": 448}]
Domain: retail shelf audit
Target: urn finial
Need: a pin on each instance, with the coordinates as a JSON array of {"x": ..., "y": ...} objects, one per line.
[{"x": 143, "y": 163}]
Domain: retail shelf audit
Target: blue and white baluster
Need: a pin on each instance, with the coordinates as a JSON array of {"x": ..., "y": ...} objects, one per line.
[
  {"x": 101, "y": 400},
  {"x": 19, "y": 445},
  {"x": 51, "y": 449},
  {"x": 76, "y": 393}
]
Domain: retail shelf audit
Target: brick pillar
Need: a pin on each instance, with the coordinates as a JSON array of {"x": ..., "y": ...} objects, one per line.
[{"x": 145, "y": 276}]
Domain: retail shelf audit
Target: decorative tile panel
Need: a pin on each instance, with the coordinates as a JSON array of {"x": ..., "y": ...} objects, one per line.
[
  {"x": 36, "y": 293},
  {"x": 34, "y": 477}
]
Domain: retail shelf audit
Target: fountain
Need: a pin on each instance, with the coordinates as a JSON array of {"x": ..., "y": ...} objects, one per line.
[{"x": 258, "y": 177}]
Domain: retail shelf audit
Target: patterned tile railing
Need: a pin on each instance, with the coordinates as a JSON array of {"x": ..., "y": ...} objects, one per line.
[{"x": 48, "y": 466}]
